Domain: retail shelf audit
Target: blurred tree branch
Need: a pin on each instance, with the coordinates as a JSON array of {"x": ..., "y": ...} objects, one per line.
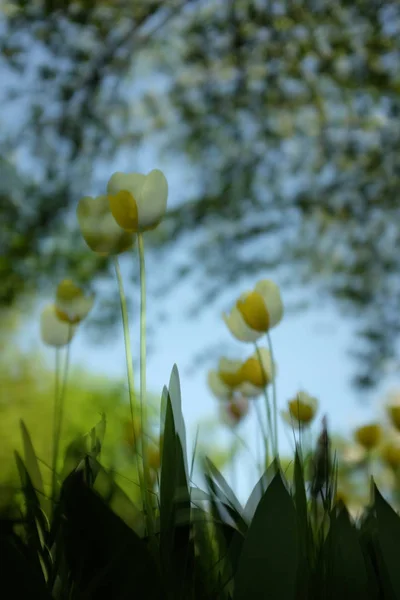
[{"x": 288, "y": 116}]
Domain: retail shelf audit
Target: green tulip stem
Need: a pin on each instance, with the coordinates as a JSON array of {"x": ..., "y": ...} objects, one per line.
[
  {"x": 128, "y": 357},
  {"x": 270, "y": 433},
  {"x": 274, "y": 397},
  {"x": 55, "y": 427},
  {"x": 143, "y": 403}
]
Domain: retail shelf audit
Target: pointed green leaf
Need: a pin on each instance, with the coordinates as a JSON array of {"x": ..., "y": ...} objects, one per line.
[
  {"x": 33, "y": 469},
  {"x": 389, "y": 539},
  {"x": 223, "y": 484},
  {"x": 176, "y": 402},
  {"x": 303, "y": 525},
  {"x": 112, "y": 561},
  {"x": 269, "y": 560},
  {"x": 348, "y": 576},
  {"x": 258, "y": 492}
]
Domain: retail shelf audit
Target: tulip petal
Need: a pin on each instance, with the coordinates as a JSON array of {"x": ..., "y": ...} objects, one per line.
[
  {"x": 55, "y": 332},
  {"x": 271, "y": 295},
  {"x": 229, "y": 372},
  {"x": 130, "y": 182},
  {"x": 249, "y": 390},
  {"x": 124, "y": 210},
  {"x": 99, "y": 229},
  {"x": 152, "y": 202},
  {"x": 238, "y": 328},
  {"x": 217, "y": 386}
]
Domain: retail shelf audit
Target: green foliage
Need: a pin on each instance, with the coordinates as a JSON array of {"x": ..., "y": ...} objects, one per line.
[
  {"x": 283, "y": 544},
  {"x": 27, "y": 395}
]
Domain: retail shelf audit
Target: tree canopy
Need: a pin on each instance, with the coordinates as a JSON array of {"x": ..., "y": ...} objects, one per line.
[{"x": 286, "y": 112}]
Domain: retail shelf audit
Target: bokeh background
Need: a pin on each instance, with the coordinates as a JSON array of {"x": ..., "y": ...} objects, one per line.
[{"x": 277, "y": 126}]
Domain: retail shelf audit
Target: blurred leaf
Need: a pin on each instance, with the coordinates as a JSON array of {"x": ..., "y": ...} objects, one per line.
[
  {"x": 18, "y": 572},
  {"x": 33, "y": 469},
  {"x": 389, "y": 539}
]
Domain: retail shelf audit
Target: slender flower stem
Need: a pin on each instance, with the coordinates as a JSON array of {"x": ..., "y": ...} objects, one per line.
[
  {"x": 264, "y": 435},
  {"x": 128, "y": 355},
  {"x": 274, "y": 398},
  {"x": 143, "y": 401},
  {"x": 64, "y": 388},
  {"x": 55, "y": 426},
  {"x": 270, "y": 434}
]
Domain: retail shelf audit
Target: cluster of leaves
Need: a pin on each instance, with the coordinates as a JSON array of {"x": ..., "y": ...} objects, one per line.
[
  {"x": 289, "y": 112},
  {"x": 206, "y": 545}
]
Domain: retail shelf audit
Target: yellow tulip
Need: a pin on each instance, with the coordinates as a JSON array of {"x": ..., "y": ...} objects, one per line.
[
  {"x": 390, "y": 454},
  {"x": 54, "y": 331},
  {"x": 72, "y": 306},
  {"x": 229, "y": 372},
  {"x": 258, "y": 369},
  {"x": 301, "y": 410},
  {"x": 227, "y": 379},
  {"x": 99, "y": 229},
  {"x": 255, "y": 312},
  {"x": 138, "y": 202},
  {"x": 368, "y": 436}
]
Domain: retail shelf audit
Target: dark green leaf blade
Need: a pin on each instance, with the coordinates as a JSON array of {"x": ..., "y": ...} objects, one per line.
[
  {"x": 389, "y": 539},
  {"x": 269, "y": 560},
  {"x": 347, "y": 572}
]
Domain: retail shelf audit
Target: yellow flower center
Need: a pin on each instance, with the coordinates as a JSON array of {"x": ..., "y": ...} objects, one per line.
[
  {"x": 254, "y": 372},
  {"x": 254, "y": 312},
  {"x": 63, "y": 316},
  {"x": 67, "y": 291},
  {"x": 394, "y": 412},
  {"x": 368, "y": 436},
  {"x": 391, "y": 455},
  {"x": 304, "y": 413},
  {"x": 231, "y": 378},
  {"x": 124, "y": 210}
]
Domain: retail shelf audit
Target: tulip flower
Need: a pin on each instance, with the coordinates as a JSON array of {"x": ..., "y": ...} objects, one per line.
[
  {"x": 258, "y": 369},
  {"x": 72, "y": 305},
  {"x": 99, "y": 229},
  {"x": 235, "y": 410},
  {"x": 54, "y": 331},
  {"x": 368, "y": 436},
  {"x": 255, "y": 312},
  {"x": 390, "y": 453},
  {"x": 302, "y": 409},
  {"x": 227, "y": 379},
  {"x": 138, "y": 202}
]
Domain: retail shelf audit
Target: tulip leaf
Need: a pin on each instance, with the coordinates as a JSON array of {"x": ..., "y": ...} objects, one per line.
[
  {"x": 389, "y": 539},
  {"x": 346, "y": 569},
  {"x": 176, "y": 402},
  {"x": 112, "y": 562},
  {"x": 176, "y": 546},
  {"x": 223, "y": 484},
  {"x": 258, "y": 491},
  {"x": 32, "y": 467},
  {"x": 269, "y": 560}
]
